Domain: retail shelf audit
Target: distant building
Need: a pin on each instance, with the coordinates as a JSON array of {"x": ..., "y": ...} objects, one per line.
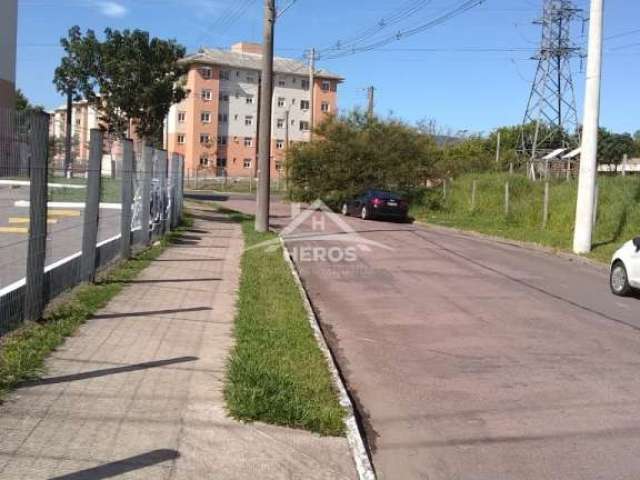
[
  {"x": 84, "y": 117},
  {"x": 216, "y": 126}
]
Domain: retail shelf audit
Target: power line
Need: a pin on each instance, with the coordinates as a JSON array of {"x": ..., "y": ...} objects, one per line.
[{"x": 377, "y": 44}]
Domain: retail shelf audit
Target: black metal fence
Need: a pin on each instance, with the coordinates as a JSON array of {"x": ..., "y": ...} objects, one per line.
[{"x": 57, "y": 230}]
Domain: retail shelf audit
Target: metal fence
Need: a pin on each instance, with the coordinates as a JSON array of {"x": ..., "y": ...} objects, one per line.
[
  {"x": 57, "y": 230},
  {"x": 197, "y": 179}
]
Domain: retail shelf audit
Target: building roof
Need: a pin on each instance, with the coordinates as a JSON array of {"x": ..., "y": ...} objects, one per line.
[{"x": 253, "y": 61}]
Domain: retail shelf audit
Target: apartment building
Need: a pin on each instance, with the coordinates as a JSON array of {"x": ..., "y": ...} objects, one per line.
[
  {"x": 216, "y": 126},
  {"x": 84, "y": 117}
]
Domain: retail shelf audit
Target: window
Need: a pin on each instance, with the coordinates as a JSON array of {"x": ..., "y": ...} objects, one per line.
[
  {"x": 249, "y": 99},
  {"x": 304, "y": 104},
  {"x": 326, "y": 85},
  {"x": 78, "y": 122},
  {"x": 280, "y": 123},
  {"x": 279, "y": 144},
  {"x": 248, "y": 120},
  {"x": 224, "y": 74},
  {"x": 293, "y": 101},
  {"x": 224, "y": 97},
  {"x": 235, "y": 117},
  {"x": 305, "y": 84},
  {"x": 222, "y": 140},
  {"x": 182, "y": 116},
  {"x": 204, "y": 138},
  {"x": 221, "y": 162},
  {"x": 304, "y": 125},
  {"x": 205, "y": 117},
  {"x": 279, "y": 165},
  {"x": 250, "y": 79},
  {"x": 246, "y": 163},
  {"x": 180, "y": 139},
  {"x": 223, "y": 117},
  {"x": 248, "y": 141},
  {"x": 206, "y": 72},
  {"x": 206, "y": 95},
  {"x": 281, "y": 82},
  {"x": 324, "y": 107},
  {"x": 204, "y": 161},
  {"x": 293, "y": 80},
  {"x": 281, "y": 102}
]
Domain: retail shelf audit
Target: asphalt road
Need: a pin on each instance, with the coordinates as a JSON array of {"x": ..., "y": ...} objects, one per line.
[
  {"x": 476, "y": 360},
  {"x": 64, "y": 238}
]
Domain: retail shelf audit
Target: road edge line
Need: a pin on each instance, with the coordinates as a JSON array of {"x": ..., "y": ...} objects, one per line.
[
  {"x": 364, "y": 467},
  {"x": 531, "y": 246}
]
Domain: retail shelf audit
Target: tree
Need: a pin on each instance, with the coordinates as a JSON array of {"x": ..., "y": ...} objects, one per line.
[
  {"x": 138, "y": 80},
  {"x": 73, "y": 76},
  {"x": 351, "y": 154},
  {"x": 24, "y": 105},
  {"x": 613, "y": 146}
]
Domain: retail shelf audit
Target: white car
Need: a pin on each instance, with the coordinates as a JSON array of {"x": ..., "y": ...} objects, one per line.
[{"x": 625, "y": 268}]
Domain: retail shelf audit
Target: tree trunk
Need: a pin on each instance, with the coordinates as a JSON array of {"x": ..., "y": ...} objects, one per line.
[{"x": 67, "y": 142}]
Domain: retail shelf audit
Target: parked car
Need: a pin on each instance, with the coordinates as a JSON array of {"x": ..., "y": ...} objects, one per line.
[
  {"x": 377, "y": 204},
  {"x": 625, "y": 268}
]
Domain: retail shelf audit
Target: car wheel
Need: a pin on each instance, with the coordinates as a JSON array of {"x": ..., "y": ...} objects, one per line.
[
  {"x": 364, "y": 213},
  {"x": 345, "y": 209},
  {"x": 619, "y": 280}
]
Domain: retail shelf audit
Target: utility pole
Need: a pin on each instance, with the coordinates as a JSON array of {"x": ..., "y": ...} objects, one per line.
[
  {"x": 588, "y": 160},
  {"x": 370, "y": 97},
  {"x": 264, "y": 158},
  {"x": 498, "y": 148},
  {"x": 67, "y": 134},
  {"x": 312, "y": 79}
]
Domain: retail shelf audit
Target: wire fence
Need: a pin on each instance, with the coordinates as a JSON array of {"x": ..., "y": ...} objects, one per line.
[
  {"x": 59, "y": 226},
  {"x": 197, "y": 179}
]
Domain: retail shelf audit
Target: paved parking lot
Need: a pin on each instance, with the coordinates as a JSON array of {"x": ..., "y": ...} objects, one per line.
[{"x": 64, "y": 232}]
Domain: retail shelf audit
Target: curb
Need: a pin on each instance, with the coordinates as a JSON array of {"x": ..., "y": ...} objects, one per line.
[
  {"x": 536, "y": 247},
  {"x": 361, "y": 458}
]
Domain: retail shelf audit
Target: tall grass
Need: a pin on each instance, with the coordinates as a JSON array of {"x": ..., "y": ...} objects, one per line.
[{"x": 618, "y": 217}]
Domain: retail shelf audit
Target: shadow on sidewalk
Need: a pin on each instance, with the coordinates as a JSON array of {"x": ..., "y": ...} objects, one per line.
[
  {"x": 148, "y": 313},
  {"x": 120, "y": 467},
  {"x": 107, "y": 371}
]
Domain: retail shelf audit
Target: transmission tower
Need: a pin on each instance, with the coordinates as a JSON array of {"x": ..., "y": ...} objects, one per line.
[{"x": 551, "y": 119}]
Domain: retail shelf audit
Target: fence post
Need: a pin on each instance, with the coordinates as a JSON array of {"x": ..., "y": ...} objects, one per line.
[
  {"x": 473, "y": 195},
  {"x": 596, "y": 201},
  {"x": 181, "y": 185},
  {"x": 92, "y": 207},
  {"x": 506, "y": 199},
  {"x": 510, "y": 168},
  {"x": 127, "y": 198},
  {"x": 38, "y": 196},
  {"x": 545, "y": 206},
  {"x": 164, "y": 203},
  {"x": 175, "y": 166},
  {"x": 444, "y": 189},
  {"x": 147, "y": 177},
  {"x": 625, "y": 159}
]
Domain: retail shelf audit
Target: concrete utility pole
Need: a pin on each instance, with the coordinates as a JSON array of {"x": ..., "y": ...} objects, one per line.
[
  {"x": 8, "y": 33},
  {"x": 588, "y": 161},
  {"x": 264, "y": 159},
  {"x": 370, "y": 98},
  {"x": 312, "y": 79}
]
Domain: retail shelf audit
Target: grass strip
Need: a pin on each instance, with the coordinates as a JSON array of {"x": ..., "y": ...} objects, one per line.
[
  {"x": 618, "y": 218},
  {"x": 23, "y": 352},
  {"x": 276, "y": 372}
]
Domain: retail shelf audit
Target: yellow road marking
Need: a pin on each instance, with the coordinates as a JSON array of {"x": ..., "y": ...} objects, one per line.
[
  {"x": 14, "y": 230},
  {"x": 50, "y": 221},
  {"x": 64, "y": 213}
]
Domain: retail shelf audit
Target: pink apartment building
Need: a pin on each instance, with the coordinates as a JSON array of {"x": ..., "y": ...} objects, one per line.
[{"x": 216, "y": 126}]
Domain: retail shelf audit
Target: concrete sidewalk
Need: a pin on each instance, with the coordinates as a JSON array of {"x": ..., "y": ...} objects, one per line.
[{"x": 137, "y": 393}]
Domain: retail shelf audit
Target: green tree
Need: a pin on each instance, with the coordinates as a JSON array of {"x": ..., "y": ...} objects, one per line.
[
  {"x": 138, "y": 79},
  {"x": 351, "y": 154},
  {"x": 613, "y": 146},
  {"x": 24, "y": 105}
]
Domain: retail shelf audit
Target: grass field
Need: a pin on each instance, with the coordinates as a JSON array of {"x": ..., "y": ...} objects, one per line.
[
  {"x": 276, "y": 372},
  {"x": 23, "y": 352},
  {"x": 618, "y": 211},
  {"x": 110, "y": 190}
]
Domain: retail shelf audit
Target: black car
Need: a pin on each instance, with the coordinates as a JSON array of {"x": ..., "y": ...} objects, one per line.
[{"x": 377, "y": 204}]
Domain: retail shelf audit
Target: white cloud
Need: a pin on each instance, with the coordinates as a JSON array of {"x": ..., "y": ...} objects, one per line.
[{"x": 111, "y": 9}]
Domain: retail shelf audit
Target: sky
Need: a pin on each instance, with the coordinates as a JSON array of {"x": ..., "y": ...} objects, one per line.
[{"x": 471, "y": 74}]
